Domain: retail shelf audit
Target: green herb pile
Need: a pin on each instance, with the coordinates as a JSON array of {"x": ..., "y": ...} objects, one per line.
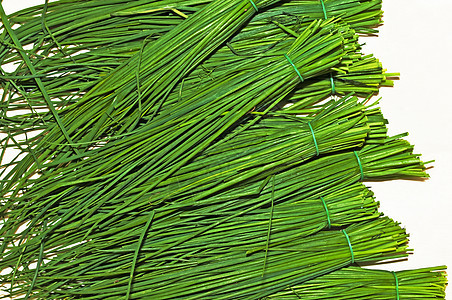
[{"x": 190, "y": 149}]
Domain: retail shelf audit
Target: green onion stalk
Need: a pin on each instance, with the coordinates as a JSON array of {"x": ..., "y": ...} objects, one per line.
[
  {"x": 359, "y": 283},
  {"x": 231, "y": 273},
  {"x": 215, "y": 110}
]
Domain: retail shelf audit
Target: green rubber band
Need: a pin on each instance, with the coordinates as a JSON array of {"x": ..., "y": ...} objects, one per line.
[
  {"x": 254, "y": 5},
  {"x": 294, "y": 67},
  {"x": 333, "y": 86},
  {"x": 360, "y": 165},
  {"x": 327, "y": 212},
  {"x": 315, "y": 141},
  {"x": 350, "y": 246},
  {"x": 397, "y": 285},
  {"x": 324, "y": 9}
]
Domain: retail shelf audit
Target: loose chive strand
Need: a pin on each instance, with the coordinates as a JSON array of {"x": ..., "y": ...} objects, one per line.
[{"x": 137, "y": 252}]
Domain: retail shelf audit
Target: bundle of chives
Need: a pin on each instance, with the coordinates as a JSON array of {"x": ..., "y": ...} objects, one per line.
[
  {"x": 358, "y": 283},
  {"x": 285, "y": 221},
  {"x": 364, "y": 16},
  {"x": 391, "y": 160},
  {"x": 221, "y": 59},
  {"x": 277, "y": 140},
  {"x": 345, "y": 206},
  {"x": 171, "y": 255},
  {"x": 294, "y": 261},
  {"x": 348, "y": 171},
  {"x": 161, "y": 68},
  {"x": 61, "y": 80},
  {"x": 115, "y": 229},
  {"x": 376, "y": 161},
  {"x": 363, "y": 78},
  {"x": 362, "y": 75},
  {"x": 56, "y": 25},
  {"x": 248, "y": 41},
  {"x": 231, "y": 274},
  {"x": 339, "y": 126},
  {"x": 289, "y": 186},
  {"x": 387, "y": 161},
  {"x": 213, "y": 111},
  {"x": 381, "y": 162}
]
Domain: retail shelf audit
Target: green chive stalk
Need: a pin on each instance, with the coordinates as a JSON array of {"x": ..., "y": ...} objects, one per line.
[{"x": 363, "y": 284}]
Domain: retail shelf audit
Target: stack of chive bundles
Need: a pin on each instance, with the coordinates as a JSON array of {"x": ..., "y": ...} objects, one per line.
[{"x": 199, "y": 149}]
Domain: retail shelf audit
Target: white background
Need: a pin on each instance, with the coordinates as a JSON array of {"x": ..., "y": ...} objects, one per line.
[{"x": 415, "y": 40}]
